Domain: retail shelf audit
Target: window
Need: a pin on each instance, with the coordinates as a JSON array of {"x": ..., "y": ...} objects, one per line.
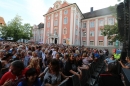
[
  {"x": 47, "y": 33},
  {"x": 92, "y": 33},
  {"x": 91, "y": 42},
  {"x": 101, "y": 22},
  {"x": 84, "y": 43},
  {"x": 65, "y": 12},
  {"x": 110, "y": 43},
  {"x": 55, "y": 31},
  {"x": 49, "y": 18},
  {"x": 110, "y": 21},
  {"x": 99, "y": 33},
  {"x": 76, "y": 21},
  {"x": 57, "y": 6},
  {"x": 64, "y": 40},
  {"x": 56, "y": 15},
  {"x": 100, "y": 43},
  {"x": 65, "y": 31},
  {"x": 84, "y": 25},
  {"x": 92, "y": 24},
  {"x": 76, "y": 31},
  {"x": 56, "y": 23},
  {"x": 48, "y": 24},
  {"x": 65, "y": 20},
  {"x": 84, "y": 33}
]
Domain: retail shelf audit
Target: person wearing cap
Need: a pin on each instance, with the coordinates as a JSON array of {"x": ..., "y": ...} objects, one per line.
[{"x": 14, "y": 76}]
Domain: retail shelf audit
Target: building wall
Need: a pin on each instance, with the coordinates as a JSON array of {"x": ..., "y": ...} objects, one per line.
[
  {"x": 66, "y": 32},
  {"x": 97, "y": 38},
  {"x": 37, "y": 34},
  {"x": 76, "y": 33}
]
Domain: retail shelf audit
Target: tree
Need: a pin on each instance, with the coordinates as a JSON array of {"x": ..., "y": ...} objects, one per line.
[
  {"x": 112, "y": 31},
  {"x": 16, "y": 29}
]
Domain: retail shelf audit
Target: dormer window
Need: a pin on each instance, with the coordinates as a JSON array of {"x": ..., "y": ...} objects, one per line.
[{"x": 57, "y": 6}]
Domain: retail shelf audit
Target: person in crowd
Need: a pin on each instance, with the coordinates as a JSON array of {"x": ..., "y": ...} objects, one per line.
[
  {"x": 110, "y": 77},
  {"x": 31, "y": 78},
  {"x": 17, "y": 57},
  {"x": 6, "y": 61},
  {"x": 79, "y": 62},
  {"x": 7, "y": 49},
  {"x": 27, "y": 58},
  {"x": 34, "y": 63},
  {"x": 71, "y": 68},
  {"x": 60, "y": 62},
  {"x": 110, "y": 60},
  {"x": 14, "y": 76},
  {"x": 54, "y": 51},
  {"x": 52, "y": 76},
  {"x": 127, "y": 65},
  {"x": 86, "y": 59},
  {"x": 1, "y": 54}
]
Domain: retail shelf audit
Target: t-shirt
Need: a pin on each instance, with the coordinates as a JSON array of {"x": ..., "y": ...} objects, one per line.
[
  {"x": 54, "y": 54},
  {"x": 110, "y": 60},
  {"x": 127, "y": 64},
  {"x": 51, "y": 78},
  {"x": 69, "y": 66},
  {"x": 10, "y": 76}
]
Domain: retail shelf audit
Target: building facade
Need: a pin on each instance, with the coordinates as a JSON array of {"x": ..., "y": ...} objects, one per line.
[
  {"x": 62, "y": 24},
  {"x": 66, "y": 24},
  {"x": 37, "y": 32}
]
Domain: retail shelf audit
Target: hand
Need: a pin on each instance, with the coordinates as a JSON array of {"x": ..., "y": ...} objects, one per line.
[
  {"x": 8, "y": 82},
  {"x": 79, "y": 76},
  {"x": 119, "y": 61}
]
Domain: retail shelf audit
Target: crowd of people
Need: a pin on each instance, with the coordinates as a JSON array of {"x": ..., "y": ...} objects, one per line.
[{"x": 47, "y": 64}]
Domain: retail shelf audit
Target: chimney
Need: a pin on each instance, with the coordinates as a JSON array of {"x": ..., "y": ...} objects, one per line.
[{"x": 91, "y": 9}]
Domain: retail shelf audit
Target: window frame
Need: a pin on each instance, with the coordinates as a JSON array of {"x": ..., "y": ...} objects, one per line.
[
  {"x": 64, "y": 32},
  {"x": 65, "y": 22},
  {"x": 93, "y": 33},
  {"x": 84, "y": 25},
  {"x": 92, "y": 24},
  {"x": 84, "y": 33},
  {"x": 99, "y": 43},
  {"x": 65, "y": 12},
  {"x": 101, "y": 23},
  {"x": 90, "y": 43}
]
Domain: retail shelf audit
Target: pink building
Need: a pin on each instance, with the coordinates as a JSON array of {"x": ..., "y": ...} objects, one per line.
[{"x": 66, "y": 24}]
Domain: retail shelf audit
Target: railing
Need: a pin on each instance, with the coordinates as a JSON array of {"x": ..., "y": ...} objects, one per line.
[{"x": 89, "y": 76}]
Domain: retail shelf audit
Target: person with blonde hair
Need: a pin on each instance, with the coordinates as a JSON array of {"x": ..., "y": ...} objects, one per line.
[{"x": 34, "y": 63}]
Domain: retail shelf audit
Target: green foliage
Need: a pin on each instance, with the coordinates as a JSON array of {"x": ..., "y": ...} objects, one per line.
[
  {"x": 16, "y": 30},
  {"x": 112, "y": 31}
]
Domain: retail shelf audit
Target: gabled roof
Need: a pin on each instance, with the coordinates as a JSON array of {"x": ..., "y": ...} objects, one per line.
[
  {"x": 101, "y": 12},
  {"x": 2, "y": 20}
]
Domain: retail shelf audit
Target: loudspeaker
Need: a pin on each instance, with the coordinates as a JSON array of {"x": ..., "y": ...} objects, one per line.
[{"x": 120, "y": 18}]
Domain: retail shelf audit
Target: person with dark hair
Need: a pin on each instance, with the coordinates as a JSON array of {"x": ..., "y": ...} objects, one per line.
[
  {"x": 127, "y": 65},
  {"x": 31, "y": 78},
  {"x": 12, "y": 77},
  {"x": 52, "y": 75},
  {"x": 110, "y": 77},
  {"x": 110, "y": 60}
]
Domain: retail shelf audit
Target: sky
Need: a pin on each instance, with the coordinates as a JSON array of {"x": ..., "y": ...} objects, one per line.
[{"x": 32, "y": 11}]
